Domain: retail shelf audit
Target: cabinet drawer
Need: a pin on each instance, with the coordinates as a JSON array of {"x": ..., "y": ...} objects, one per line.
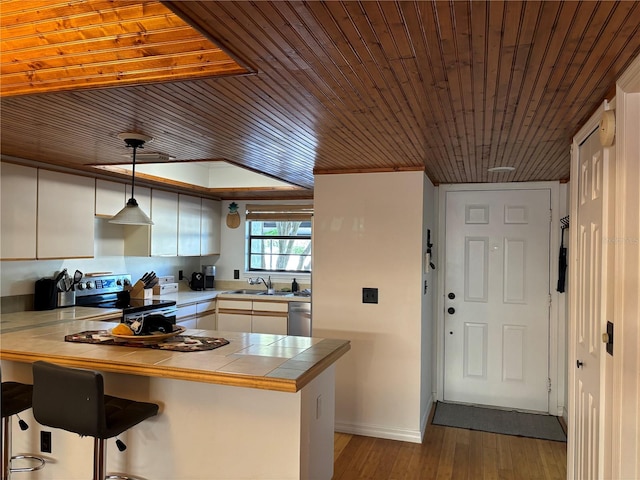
[
  {"x": 270, "y": 306},
  {"x": 203, "y": 307},
  {"x": 234, "y": 304},
  {"x": 186, "y": 311}
]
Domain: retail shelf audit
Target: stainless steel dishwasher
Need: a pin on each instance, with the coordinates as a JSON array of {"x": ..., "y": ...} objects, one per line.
[{"x": 299, "y": 319}]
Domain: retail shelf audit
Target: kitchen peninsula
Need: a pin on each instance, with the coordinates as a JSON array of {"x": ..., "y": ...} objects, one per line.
[{"x": 260, "y": 407}]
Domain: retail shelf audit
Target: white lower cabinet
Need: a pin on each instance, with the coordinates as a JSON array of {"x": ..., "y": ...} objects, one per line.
[
  {"x": 201, "y": 315},
  {"x": 186, "y": 316},
  {"x": 206, "y": 315},
  {"x": 253, "y": 316},
  {"x": 269, "y": 324},
  {"x": 234, "y": 322}
]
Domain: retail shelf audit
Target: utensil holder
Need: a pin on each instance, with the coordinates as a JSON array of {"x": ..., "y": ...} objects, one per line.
[{"x": 66, "y": 299}]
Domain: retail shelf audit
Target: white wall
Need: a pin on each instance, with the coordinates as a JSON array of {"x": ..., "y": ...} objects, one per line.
[{"x": 369, "y": 231}]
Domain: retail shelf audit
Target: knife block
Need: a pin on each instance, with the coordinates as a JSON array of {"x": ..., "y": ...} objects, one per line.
[{"x": 138, "y": 291}]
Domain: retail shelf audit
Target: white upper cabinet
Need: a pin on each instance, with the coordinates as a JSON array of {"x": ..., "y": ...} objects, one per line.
[
  {"x": 66, "y": 205},
  {"x": 110, "y": 198},
  {"x": 164, "y": 231},
  {"x": 189, "y": 213},
  {"x": 19, "y": 198},
  {"x": 210, "y": 227}
]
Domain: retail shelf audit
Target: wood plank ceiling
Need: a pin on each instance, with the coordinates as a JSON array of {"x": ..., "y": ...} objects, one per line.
[{"x": 453, "y": 88}]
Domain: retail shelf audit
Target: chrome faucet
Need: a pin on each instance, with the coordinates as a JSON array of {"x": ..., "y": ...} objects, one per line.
[{"x": 267, "y": 283}]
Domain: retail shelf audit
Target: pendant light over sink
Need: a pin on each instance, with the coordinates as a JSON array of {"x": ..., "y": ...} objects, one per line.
[{"x": 132, "y": 214}]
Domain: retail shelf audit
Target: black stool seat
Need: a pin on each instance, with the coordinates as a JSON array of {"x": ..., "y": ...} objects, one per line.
[
  {"x": 73, "y": 399},
  {"x": 16, "y": 398}
]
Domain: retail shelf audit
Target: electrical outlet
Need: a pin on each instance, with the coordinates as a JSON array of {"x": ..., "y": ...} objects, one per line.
[
  {"x": 45, "y": 442},
  {"x": 236, "y": 274},
  {"x": 180, "y": 275},
  {"x": 369, "y": 295}
]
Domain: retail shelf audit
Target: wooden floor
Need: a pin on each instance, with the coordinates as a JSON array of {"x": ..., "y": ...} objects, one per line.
[{"x": 449, "y": 453}]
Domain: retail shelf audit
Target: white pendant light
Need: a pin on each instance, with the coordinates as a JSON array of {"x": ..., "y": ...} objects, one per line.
[{"x": 132, "y": 214}]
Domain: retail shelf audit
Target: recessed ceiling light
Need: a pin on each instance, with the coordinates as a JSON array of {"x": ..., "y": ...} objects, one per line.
[{"x": 501, "y": 169}]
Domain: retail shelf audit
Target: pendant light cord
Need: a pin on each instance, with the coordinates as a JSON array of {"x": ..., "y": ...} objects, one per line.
[
  {"x": 133, "y": 172},
  {"x": 135, "y": 144}
]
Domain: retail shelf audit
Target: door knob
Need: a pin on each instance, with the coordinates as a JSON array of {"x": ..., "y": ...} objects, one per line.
[
  {"x": 451, "y": 295},
  {"x": 579, "y": 364},
  {"x": 451, "y": 310}
]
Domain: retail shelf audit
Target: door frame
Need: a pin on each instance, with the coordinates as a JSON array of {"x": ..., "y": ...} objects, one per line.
[
  {"x": 604, "y": 433},
  {"x": 557, "y": 333}
]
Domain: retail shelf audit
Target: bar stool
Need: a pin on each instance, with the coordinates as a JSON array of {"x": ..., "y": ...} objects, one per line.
[
  {"x": 16, "y": 398},
  {"x": 73, "y": 399}
]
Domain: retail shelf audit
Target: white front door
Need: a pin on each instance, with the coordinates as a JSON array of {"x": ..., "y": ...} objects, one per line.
[
  {"x": 497, "y": 298},
  {"x": 589, "y": 302}
]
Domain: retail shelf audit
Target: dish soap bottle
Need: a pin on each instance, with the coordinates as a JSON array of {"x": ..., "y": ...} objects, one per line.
[{"x": 294, "y": 286}]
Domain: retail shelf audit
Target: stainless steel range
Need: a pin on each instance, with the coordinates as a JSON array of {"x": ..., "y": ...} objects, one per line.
[{"x": 108, "y": 291}]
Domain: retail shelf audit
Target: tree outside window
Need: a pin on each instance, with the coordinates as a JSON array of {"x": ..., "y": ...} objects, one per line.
[{"x": 279, "y": 246}]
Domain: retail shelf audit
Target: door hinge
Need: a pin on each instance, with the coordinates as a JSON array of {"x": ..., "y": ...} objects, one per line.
[
  {"x": 550, "y": 215},
  {"x": 548, "y": 385},
  {"x": 549, "y": 301}
]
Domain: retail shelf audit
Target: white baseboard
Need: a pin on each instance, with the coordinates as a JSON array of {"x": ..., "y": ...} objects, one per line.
[
  {"x": 378, "y": 431},
  {"x": 425, "y": 417}
]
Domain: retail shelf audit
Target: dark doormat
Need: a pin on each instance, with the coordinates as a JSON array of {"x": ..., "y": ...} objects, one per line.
[{"x": 545, "y": 427}]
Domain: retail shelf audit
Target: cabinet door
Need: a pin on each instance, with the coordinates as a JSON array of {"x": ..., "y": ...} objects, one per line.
[
  {"x": 269, "y": 324},
  {"x": 110, "y": 198},
  {"x": 207, "y": 321},
  {"x": 210, "y": 227},
  {"x": 65, "y": 215},
  {"x": 233, "y": 322},
  {"x": 19, "y": 197},
  {"x": 189, "y": 211},
  {"x": 164, "y": 231},
  {"x": 137, "y": 238}
]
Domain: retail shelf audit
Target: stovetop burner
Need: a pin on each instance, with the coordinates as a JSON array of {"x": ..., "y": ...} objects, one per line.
[
  {"x": 107, "y": 291},
  {"x": 134, "y": 305}
]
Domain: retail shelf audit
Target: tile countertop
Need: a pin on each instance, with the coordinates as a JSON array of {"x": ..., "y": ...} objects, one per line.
[
  {"x": 10, "y": 322},
  {"x": 271, "y": 362},
  {"x": 186, "y": 297}
]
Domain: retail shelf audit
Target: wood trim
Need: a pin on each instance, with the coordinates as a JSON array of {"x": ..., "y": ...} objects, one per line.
[
  {"x": 318, "y": 171},
  {"x": 219, "y": 378}
]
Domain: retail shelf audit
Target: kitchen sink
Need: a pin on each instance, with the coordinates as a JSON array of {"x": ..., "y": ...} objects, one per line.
[
  {"x": 259, "y": 292},
  {"x": 247, "y": 292}
]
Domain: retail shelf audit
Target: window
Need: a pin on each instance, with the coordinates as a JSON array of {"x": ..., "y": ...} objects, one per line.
[{"x": 279, "y": 240}]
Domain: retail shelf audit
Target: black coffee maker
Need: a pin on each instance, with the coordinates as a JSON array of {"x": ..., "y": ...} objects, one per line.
[{"x": 209, "y": 272}]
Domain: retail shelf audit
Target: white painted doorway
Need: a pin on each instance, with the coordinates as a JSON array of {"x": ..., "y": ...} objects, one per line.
[
  {"x": 589, "y": 306},
  {"x": 497, "y": 291}
]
